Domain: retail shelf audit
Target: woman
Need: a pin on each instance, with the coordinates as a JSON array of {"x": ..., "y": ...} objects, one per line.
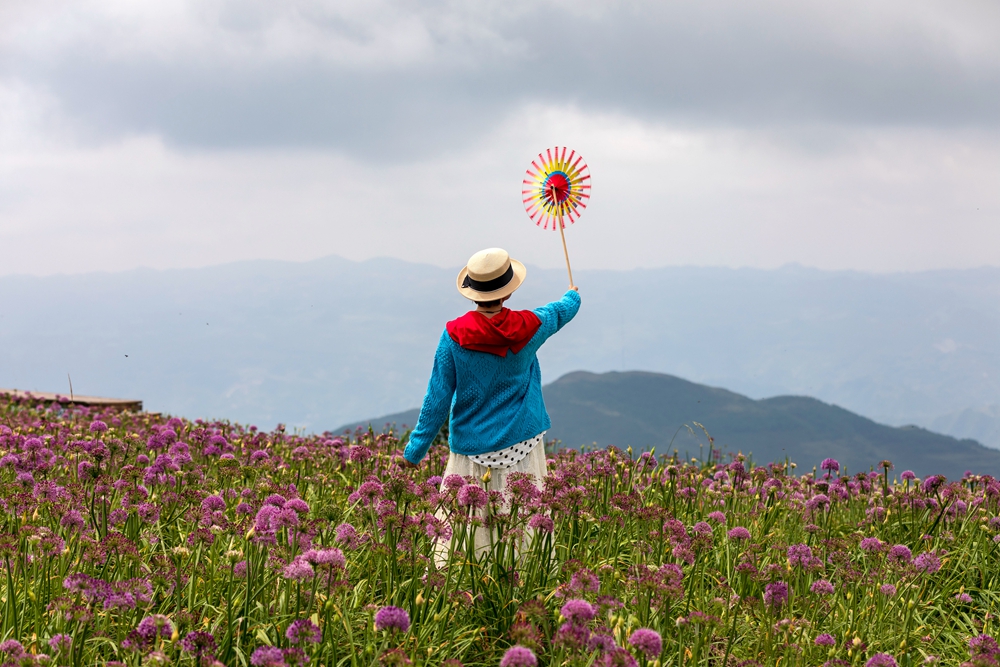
[{"x": 486, "y": 374}]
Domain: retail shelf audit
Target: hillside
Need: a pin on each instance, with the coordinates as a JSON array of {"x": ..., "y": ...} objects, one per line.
[{"x": 651, "y": 409}]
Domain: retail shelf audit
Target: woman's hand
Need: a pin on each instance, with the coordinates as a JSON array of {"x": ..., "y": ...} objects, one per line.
[{"x": 575, "y": 288}]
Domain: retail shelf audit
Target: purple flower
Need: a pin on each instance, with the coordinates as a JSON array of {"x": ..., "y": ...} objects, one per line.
[
  {"x": 822, "y": 587},
  {"x": 212, "y": 504},
  {"x": 303, "y": 630},
  {"x": 932, "y": 483},
  {"x": 156, "y": 625},
  {"x": 881, "y": 660},
  {"x": 648, "y": 641},
  {"x": 298, "y": 505},
  {"x": 542, "y": 523},
  {"x": 825, "y": 640},
  {"x": 333, "y": 557},
  {"x": 800, "y": 554},
  {"x": 298, "y": 570},
  {"x": 283, "y": 518},
  {"x": 392, "y": 618},
  {"x": 519, "y": 656},
  {"x": 258, "y": 456},
  {"x": 738, "y": 533},
  {"x": 871, "y": 544},
  {"x": 13, "y": 648},
  {"x": 927, "y": 562},
  {"x": 907, "y": 476},
  {"x": 717, "y": 517},
  {"x": 60, "y": 643},
  {"x": 983, "y": 645},
  {"x": 472, "y": 496},
  {"x": 578, "y": 611},
  {"x": 776, "y": 594},
  {"x": 964, "y": 598},
  {"x": 887, "y": 590},
  {"x": 900, "y": 555},
  {"x": 267, "y": 656},
  {"x": 347, "y": 535},
  {"x": 148, "y": 512},
  {"x": 200, "y": 643},
  {"x": 370, "y": 492},
  {"x": 820, "y": 500},
  {"x": 453, "y": 482},
  {"x": 830, "y": 465},
  {"x": 97, "y": 426}
]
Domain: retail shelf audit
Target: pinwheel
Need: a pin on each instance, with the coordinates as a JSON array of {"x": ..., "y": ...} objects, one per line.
[{"x": 556, "y": 188}]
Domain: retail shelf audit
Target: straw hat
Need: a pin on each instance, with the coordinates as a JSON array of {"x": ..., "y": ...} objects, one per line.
[{"x": 490, "y": 275}]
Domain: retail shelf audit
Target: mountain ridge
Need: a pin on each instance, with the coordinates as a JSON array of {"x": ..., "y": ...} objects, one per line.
[{"x": 643, "y": 410}]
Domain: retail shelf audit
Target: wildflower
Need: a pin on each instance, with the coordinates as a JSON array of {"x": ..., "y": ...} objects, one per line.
[
  {"x": 148, "y": 512},
  {"x": 200, "y": 643},
  {"x": 800, "y": 554},
  {"x": 284, "y": 518},
  {"x": 738, "y": 533},
  {"x": 60, "y": 643},
  {"x": 454, "y": 482},
  {"x": 541, "y": 523},
  {"x": 648, "y": 641},
  {"x": 395, "y": 658},
  {"x": 887, "y": 590},
  {"x": 392, "y": 618},
  {"x": 983, "y": 645},
  {"x": 303, "y": 630},
  {"x": 819, "y": 501},
  {"x": 717, "y": 517},
  {"x": 298, "y": 505},
  {"x": 298, "y": 570},
  {"x": 97, "y": 426},
  {"x": 822, "y": 587},
  {"x": 927, "y": 562},
  {"x": 212, "y": 504},
  {"x": 964, "y": 598},
  {"x": 578, "y": 611},
  {"x": 154, "y": 626},
  {"x": 830, "y": 465},
  {"x": 370, "y": 492},
  {"x": 267, "y": 656},
  {"x": 472, "y": 496},
  {"x": 347, "y": 535},
  {"x": 776, "y": 594},
  {"x": 258, "y": 456},
  {"x": 871, "y": 544},
  {"x": 932, "y": 483},
  {"x": 519, "y": 656},
  {"x": 583, "y": 580},
  {"x": 13, "y": 648},
  {"x": 825, "y": 639},
  {"x": 881, "y": 660},
  {"x": 900, "y": 555}
]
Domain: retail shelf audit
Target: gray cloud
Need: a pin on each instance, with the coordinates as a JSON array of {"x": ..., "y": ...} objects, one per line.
[{"x": 443, "y": 74}]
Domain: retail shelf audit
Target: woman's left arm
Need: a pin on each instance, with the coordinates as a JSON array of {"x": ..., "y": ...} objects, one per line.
[{"x": 437, "y": 403}]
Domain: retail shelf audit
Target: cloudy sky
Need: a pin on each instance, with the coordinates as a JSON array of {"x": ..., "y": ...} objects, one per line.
[{"x": 178, "y": 133}]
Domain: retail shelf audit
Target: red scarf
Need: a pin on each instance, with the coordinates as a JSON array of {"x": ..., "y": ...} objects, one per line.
[{"x": 508, "y": 329}]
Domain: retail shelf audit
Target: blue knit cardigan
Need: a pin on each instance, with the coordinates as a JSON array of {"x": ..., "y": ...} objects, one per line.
[{"x": 494, "y": 401}]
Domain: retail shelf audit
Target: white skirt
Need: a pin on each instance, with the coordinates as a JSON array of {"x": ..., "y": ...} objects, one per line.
[{"x": 533, "y": 463}]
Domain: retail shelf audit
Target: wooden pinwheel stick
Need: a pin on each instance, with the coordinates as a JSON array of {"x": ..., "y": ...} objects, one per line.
[{"x": 562, "y": 234}]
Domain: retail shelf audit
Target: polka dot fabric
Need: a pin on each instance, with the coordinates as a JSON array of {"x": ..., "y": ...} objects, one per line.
[{"x": 509, "y": 456}]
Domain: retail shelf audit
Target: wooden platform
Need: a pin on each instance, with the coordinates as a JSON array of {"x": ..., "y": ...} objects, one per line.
[{"x": 120, "y": 404}]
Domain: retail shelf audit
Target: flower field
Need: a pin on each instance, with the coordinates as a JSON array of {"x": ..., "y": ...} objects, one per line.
[{"x": 135, "y": 539}]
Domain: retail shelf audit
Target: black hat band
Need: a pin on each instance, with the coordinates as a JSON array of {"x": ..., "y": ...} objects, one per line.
[{"x": 490, "y": 285}]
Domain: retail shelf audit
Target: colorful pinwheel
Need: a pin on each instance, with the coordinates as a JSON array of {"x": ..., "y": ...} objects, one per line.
[{"x": 556, "y": 188}]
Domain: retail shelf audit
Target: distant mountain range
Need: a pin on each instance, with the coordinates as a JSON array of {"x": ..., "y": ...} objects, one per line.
[
  {"x": 318, "y": 343},
  {"x": 647, "y": 410}
]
